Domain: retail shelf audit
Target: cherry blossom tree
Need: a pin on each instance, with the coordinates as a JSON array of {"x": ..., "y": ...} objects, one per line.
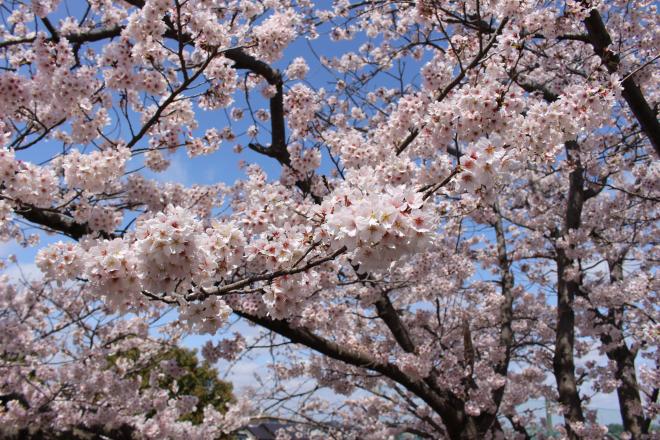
[
  {"x": 69, "y": 370},
  {"x": 464, "y": 218}
]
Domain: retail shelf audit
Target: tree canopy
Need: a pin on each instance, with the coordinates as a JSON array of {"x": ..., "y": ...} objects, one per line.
[{"x": 423, "y": 217}]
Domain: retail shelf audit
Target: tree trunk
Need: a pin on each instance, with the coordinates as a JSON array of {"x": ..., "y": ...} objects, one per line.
[
  {"x": 630, "y": 403},
  {"x": 563, "y": 362},
  {"x": 466, "y": 429}
]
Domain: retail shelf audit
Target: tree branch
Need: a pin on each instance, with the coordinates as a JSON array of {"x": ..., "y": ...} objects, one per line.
[
  {"x": 342, "y": 353},
  {"x": 600, "y": 40},
  {"x": 391, "y": 318},
  {"x": 228, "y": 288},
  {"x": 445, "y": 91}
]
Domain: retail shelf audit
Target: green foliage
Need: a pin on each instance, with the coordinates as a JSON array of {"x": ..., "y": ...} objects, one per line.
[
  {"x": 615, "y": 430},
  {"x": 199, "y": 380}
]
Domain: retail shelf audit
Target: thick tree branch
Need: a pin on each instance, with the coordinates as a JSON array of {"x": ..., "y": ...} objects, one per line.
[
  {"x": 53, "y": 220},
  {"x": 342, "y": 353},
  {"x": 600, "y": 40},
  {"x": 507, "y": 283},
  {"x": 390, "y": 317},
  {"x": 229, "y": 288},
  {"x": 630, "y": 402},
  {"x": 567, "y": 289}
]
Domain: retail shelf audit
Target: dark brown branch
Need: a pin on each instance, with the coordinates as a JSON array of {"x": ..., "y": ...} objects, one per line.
[
  {"x": 531, "y": 87},
  {"x": 305, "y": 337},
  {"x": 228, "y": 288},
  {"x": 77, "y": 38},
  {"x": 647, "y": 117},
  {"x": 55, "y": 35},
  {"x": 518, "y": 427},
  {"x": 567, "y": 288},
  {"x": 507, "y": 283},
  {"x": 630, "y": 402},
  {"x": 245, "y": 61},
  {"x": 53, "y": 220},
  {"x": 391, "y": 318}
]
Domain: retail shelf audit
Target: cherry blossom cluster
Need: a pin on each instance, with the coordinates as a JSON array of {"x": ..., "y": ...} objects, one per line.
[
  {"x": 66, "y": 93},
  {"x": 206, "y": 316},
  {"x": 352, "y": 147},
  {"x": 377, "y": 225},
  {"x": 171, "y": 252},
  {"x": 303, "y": 163},
  {"x": 94, "y": 171},
  {"x": 199, "y": 199},
  {"x": 111, "y": 267},
  {"x": 298, "y": 69},
  {"x": 60, "y": 261},
  {"x": 98, "y": 218},
  {"x": 155, "y": 160},
  {"x": 223, "y": 80},
  {"x": 463, "y": 221},
  {"x": 105, "y": 388},
  {"x": 301, "y": 103},
  {"x": 275, "y": 249},
  {"x": 15, "y": 91},
  {"x": 437, "y": 73},
  {"x": 26, "y": 182},
  {"x": 227, "y": 244},
  {"x": 7, "y": 229},
  {"x": 227, "y": 349},
  {"x": 482, "y": 164},
  {"x": 275, "y": 33},
  {"x": 206, "y": 145}
]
